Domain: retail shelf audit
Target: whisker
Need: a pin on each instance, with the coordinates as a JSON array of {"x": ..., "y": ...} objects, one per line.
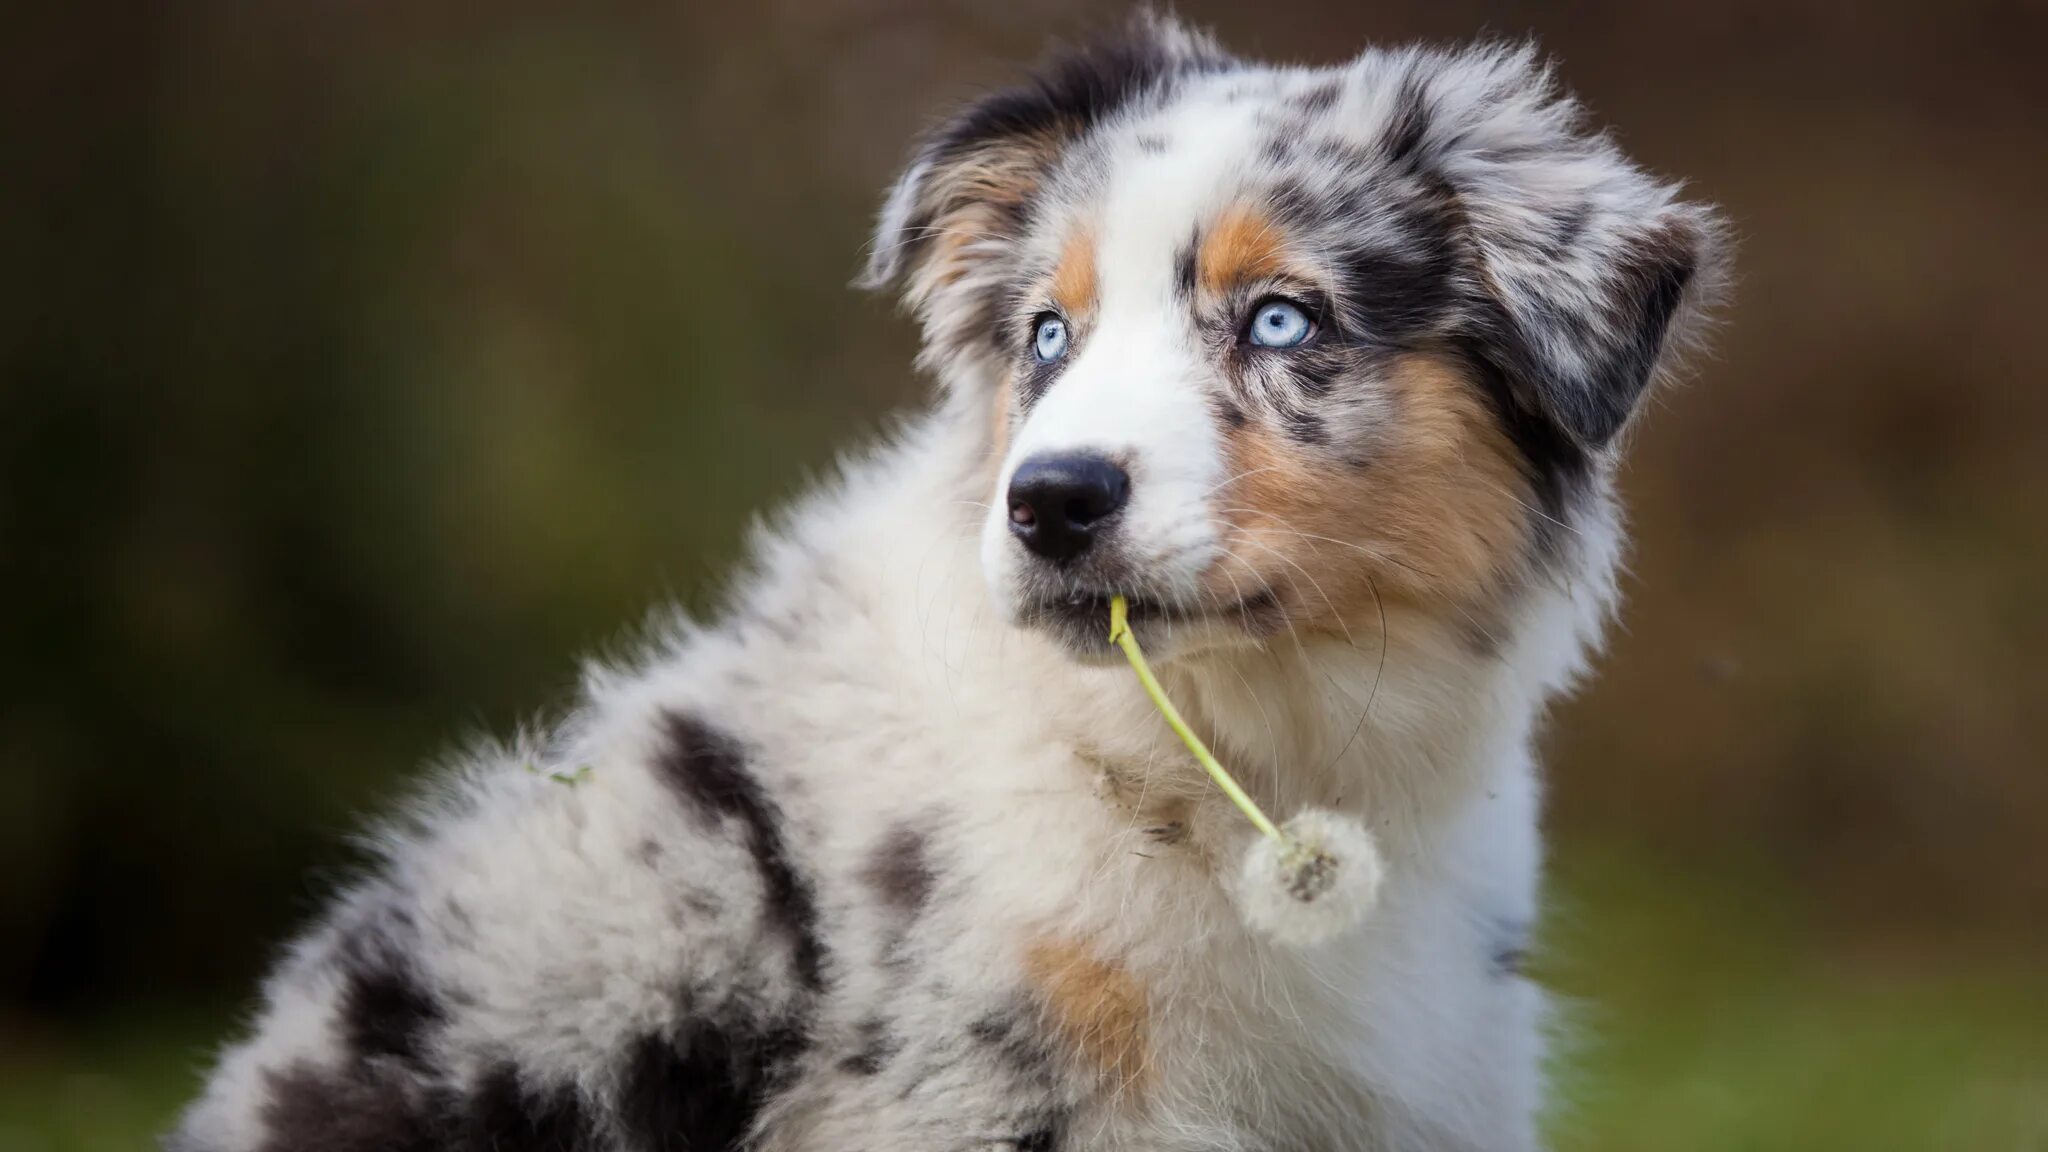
[
  {"x": 1317, "y": 584},
  {"x": 1376, "y": 678},
  {"x": 1445, "y": 597},
  {"x": 1240, "y": 476}
]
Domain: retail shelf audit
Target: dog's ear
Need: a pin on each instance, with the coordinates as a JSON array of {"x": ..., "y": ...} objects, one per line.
[
  {"x": 1582, "y": 334},
  {"x": 1589, "y": 270},
  {"x": 951, "y": 223}
]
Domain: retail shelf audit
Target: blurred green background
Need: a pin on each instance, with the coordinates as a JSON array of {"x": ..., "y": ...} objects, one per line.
[{"x": 364, "y": 364}]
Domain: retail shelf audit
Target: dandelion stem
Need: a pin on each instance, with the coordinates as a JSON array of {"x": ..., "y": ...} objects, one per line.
[{"x": 1120, "y": 634}]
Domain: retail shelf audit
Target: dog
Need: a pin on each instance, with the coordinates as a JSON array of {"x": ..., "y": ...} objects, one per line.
[{"x": 1326, "y": 370}]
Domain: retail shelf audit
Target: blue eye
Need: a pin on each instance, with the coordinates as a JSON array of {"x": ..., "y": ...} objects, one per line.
[
  {"x": 1049, "y": 339},
  {"x": 1281, "y": 324}
]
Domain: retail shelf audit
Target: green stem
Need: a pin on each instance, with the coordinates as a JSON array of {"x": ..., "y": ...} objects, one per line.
[{"x": 1120, "y": 634}]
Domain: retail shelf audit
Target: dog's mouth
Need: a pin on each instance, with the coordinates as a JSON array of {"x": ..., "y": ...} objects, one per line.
[{"x": 1079, "y": 618}]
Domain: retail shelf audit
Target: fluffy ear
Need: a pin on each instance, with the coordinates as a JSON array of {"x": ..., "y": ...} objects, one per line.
[
  {"x": 949, "y": 228},
  {"x": 1583, "y": 334},
  {"x": 1592, "y": 271}
]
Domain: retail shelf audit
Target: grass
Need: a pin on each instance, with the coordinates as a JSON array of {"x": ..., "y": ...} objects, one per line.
[
  {"x": 111, "y": 1085},
  {"x": 1701, "y": 1016},
  {"x": 1706, "y": 1016}
]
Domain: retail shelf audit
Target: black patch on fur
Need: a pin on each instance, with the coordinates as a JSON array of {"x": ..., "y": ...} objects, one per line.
[
  {"x": 709, "y": 770},
  {"x": 1396, "y": 296},
  {"x": 1230, "y": 412},
  {"x": 385, "y": 1013},
  {"x": 1277, "y": 150},
  {"x": 899, "y": 870},
  {"x": 308, "y": 1109},
  {"x": 701, "y": 1090},
  {"x": 1024, "y": 1058},
  {"x": 1066, "y": 97},
  {"x": 1648, "y": 290},
  {"x": 1566, "y": 232},
  {"x": 1407, "y": 126},
  {"x": 877, "y": 1045},
  {"x": 1018, "y": 1047},
  {"x": 1316, "y": 374},
  {"x": 1303, "y": 425},
  {"x": 1321, "y": 98},
  {"x": 1511, "y": 950},
  {"x": 503, "y": 1115},
  {"x": 1396, "y": 286},
  {"x": 1184, "y": 266},
  {"x": 1070, "y": 93},
  {"x": 1291, "y": 201},
  {"x": 1152, "y": 144},
  {"x": 1045, "y": 1139},
  {"x": 1556, "y": 466},
  {"x": 993, "y": 1029}
]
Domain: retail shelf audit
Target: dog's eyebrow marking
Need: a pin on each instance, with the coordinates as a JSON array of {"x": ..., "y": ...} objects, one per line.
[
  {"x": 1244, "y": 244},
  {"x": 1074, "y": 282}
]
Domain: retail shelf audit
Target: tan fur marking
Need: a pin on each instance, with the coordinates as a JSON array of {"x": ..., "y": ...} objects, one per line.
[
  {"x": 972, "y": 196},
  {"x": 1241, "y": 245},
  {"x": 1074, "y": 281},
  {"x": 1438, "y": 513},
  {"x": 1097, "y": 1006}
]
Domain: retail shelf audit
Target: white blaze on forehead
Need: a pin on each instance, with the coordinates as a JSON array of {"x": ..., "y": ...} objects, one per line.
[
  {"x": 1139, "y": 386},
  {"x": 1155, "y": 202}
]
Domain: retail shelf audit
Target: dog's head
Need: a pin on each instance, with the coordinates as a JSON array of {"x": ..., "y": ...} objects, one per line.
[{"x": 1275, "y": 348}]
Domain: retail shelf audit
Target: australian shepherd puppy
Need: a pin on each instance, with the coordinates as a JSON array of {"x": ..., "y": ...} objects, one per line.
[{"x": 1324, "y": 369}]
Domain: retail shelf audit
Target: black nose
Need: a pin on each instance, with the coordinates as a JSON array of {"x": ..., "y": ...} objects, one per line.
[{"x": 1056, "y": 502}]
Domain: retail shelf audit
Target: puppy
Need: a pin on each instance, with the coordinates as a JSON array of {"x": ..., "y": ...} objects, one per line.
[{"x": 1325, "y": 370}]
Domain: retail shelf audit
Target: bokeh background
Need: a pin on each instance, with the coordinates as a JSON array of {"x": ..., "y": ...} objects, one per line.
[{"x": 363, "y": 364}]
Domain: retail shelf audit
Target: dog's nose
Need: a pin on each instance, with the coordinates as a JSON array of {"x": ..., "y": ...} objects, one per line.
[{"x": 1056, "y": 502}]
